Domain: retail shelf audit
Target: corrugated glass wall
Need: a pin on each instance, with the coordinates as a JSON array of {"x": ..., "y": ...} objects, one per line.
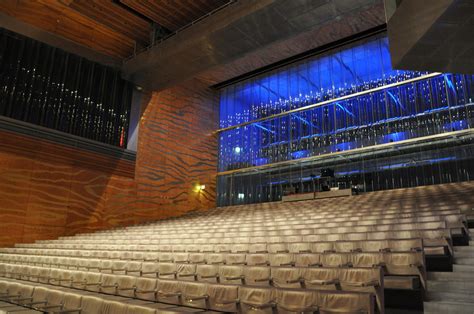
[{"x": 347, "y": 99}]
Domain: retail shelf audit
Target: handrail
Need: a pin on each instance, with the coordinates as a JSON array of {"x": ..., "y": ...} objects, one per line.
[
  {"x": 154, "y": 43},
  {"x": 288, "y": 112}
]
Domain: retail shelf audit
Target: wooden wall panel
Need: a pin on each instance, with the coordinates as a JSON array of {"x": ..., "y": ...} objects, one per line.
[
  {"x": 49, "y": 190},
  {"x": 177, "y": 151}
]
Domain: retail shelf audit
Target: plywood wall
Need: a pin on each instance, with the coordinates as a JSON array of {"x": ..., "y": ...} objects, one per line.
[{"x": 49, "y": 190}]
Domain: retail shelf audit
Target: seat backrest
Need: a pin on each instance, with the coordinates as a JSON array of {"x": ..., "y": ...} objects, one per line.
[
  {"x": 231, "y": 274},
  {"x": 257, "y": 299},
  {"x": 345, "y": 302},
  {"x": 257, "y": 275},
  {"x": 307, "y": 259},
  {"x": 186, "y": 271},
  {"x": 299, "y": 301},
  {"x": 145, "y": 288},
  {"x": 93, "y": 281},
  {"x": 257, "y": 259},
  {"x": 215, "y": 258},
  {"x": 114, "y": 307},
  {"x": 223, "y": 298},
  {"x": 287, "y": 277},
  {"x": 126, "y": 285},
  {"x": 321, "y": 278},
  {"x": 207, "y": 273},
  {"x": 40, "y": 294},
  {"x": 137, "y": 309},
  {"x": 109, "y": 283},
  {"x": 282, "y": 259},
  {"x": 194, "y": 294},
  {"x": 168, "y": 291},
  {"x": 167, "y": 270},
  {"x": 55, "y": 297},
  {"x": 71, "y": 301},
  {"x": 235, "y": 259},
  {"x": 91, "y": 305}
]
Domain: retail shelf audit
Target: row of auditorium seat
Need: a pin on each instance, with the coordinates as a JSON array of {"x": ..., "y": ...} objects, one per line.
[
  {"x": 394, "y": 262},
  {"x": 201, "y": 294},
  {"x": 301, "y": 223},
  {"x": 357, "y": 243},
  {"x": 428, "y": 234},
  {"x": 138, "y": 252},
  {"x": 292, "y": 224},
  {"x": 295, "y": 219},
  {"x": 226, "y": 298}
]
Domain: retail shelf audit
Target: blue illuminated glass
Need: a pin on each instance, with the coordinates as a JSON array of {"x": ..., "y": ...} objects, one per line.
[{"x": 437, "y": 104}]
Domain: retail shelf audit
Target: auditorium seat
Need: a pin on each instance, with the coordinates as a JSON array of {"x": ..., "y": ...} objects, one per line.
[{"x": 348, "y": 251}]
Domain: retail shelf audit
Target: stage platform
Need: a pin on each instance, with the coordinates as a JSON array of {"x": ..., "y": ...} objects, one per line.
[{"x": 316, "y": 195}]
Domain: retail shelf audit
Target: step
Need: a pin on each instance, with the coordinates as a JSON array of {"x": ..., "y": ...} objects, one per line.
[
  {"x": 439, "y": 307},
  {"x": 464, "y": 254},
  {"x": 463, "y": 268},
  {"x": 464, "y": 260},
  {"x": 451, "y": 276},
  {"x": 467, "y": 248},
  {"x": 450, "y": 297},
  {"x": 450, "y": 286}
]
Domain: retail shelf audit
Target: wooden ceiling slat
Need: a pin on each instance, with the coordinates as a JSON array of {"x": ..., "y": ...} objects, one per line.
[
  {"x": 173, "y": 14},
  {"x": 57, "y": 18},
  {"x": 113, "y": 16},
  {"x": 105, "y": 26},
  {"x": 151, "y": 10}
]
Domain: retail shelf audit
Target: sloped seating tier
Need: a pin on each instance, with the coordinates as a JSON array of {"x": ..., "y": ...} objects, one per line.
[
  {"x": 140, "y": 252},
  {"x": 394, "y": 263},
  {"x": 325, "y": 256},
  {"x": 132, "y": 295},
  {"x": 452, "y": 217}
]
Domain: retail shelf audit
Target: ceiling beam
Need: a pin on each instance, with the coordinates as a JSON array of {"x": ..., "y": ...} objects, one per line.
[{"x": 248, "y": 35}]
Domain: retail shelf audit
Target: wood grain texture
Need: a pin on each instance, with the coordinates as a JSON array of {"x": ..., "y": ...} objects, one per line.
[
  {"x": 57, "y": 18},
  {"x": 177, "y": 150},
  {"x": 174, "y": 14},
  {"x": 49, "y": 190}
]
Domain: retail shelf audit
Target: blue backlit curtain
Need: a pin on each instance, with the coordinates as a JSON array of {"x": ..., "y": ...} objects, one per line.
[
  {"x": 46, "y": 86},
  {"x": 374, "y": 112}
]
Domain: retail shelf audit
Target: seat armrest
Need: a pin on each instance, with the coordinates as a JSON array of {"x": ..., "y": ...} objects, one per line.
[
  {"x": 235, "y": 278},
  {"x": 316, "y": 265},
  {"x": 260, "y": 306},
  {"x": 166, "y": 274},
  {"x": 127, "y": 289},
  {"x": 177, "y": 294},
  {"x": 146, "y": 291},
  {"x": 202, "y": 297},
  {"x": 68, "y": 311},
  {"x": 236, "y": 301},
  {"x": 334, "y": 281},
  {"x": 186, "y": 275},
  {"x": 372, "y": 283}
]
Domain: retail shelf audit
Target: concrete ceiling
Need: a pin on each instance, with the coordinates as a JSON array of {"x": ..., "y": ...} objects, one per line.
[
  {"x": 248, "y": 35},
  {"x": 429, "y": 35}
]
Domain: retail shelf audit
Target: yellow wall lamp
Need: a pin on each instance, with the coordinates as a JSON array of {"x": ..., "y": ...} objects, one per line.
[{"x": 200, "y": 187}]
